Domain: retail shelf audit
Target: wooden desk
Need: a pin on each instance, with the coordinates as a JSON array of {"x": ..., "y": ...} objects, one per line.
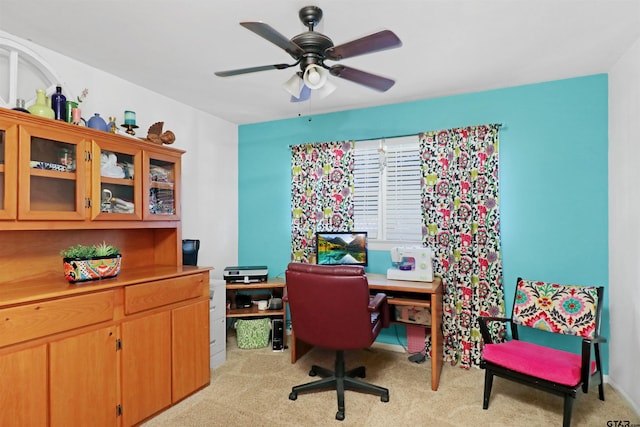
[{"x": 402, "y": 293}]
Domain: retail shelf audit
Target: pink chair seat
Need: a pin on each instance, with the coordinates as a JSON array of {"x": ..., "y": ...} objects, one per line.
[{"x": 553, "y": 365}]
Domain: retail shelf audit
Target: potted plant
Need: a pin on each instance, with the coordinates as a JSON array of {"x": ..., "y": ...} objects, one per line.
[{"x": 82, "y": 262}]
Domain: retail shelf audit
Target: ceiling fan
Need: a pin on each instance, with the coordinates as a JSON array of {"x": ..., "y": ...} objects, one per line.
[{"x": 311, "y": 49}]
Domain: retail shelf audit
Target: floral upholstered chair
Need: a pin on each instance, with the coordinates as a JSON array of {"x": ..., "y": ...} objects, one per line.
[{"x": 558, "y": 309}]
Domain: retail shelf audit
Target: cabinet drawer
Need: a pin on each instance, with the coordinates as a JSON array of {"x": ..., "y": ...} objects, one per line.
[
  {"x": 163, "y": 292},
  {"x": 36, "y": 320}
]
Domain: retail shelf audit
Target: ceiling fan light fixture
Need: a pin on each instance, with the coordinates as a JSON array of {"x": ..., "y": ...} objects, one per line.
[
  {"x": 325, "y": 90},
  {"x": 305, "y": 94},
  {"x": 315, "y": 76},
  {"x": 293, "y": 85}
]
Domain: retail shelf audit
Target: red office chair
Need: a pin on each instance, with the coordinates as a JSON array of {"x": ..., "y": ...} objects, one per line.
[
  {"x": 331, "y": 308},
  {"x": 559, "y": 309}
]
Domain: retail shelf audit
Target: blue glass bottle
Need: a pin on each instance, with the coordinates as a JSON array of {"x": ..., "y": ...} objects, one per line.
[{"x": 59, "y": 105}]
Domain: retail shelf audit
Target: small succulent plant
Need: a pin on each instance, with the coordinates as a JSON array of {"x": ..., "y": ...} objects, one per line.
[
  {"x": 102, "y": 249},
  {"x": 86, "y": 251}
]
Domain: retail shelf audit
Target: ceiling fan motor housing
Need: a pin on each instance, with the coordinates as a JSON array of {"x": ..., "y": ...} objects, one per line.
[{"x": 314, "y": 45}]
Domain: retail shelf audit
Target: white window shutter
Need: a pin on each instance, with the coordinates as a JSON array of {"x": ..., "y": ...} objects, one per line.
[
  {"x": 366, "y": 200},
  {"x": 387, "y": 189},
  {"x": 402, "y": 202}
]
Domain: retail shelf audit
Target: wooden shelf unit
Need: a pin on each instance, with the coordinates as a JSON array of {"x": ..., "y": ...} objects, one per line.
[
  {"x": 146, "y": 329},
  {"x": 273, "y": 287}
]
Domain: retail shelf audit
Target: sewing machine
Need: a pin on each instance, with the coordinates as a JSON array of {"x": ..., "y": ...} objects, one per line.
[{"x": 411, "y": 263}]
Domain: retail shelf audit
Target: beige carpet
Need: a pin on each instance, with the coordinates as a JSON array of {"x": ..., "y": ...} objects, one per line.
[{"x": 252, "y": 389}]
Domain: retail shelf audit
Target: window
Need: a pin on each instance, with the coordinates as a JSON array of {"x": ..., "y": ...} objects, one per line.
[
  {"x": 387, "y": 189},
  {"x": 25, "y": 71}
]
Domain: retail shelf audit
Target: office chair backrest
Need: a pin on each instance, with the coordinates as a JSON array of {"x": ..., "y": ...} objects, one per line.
[
  {"x": 562, "y": 309},
  {"x": 329, "y": 305},
  {"x": 190, "y": 250}
]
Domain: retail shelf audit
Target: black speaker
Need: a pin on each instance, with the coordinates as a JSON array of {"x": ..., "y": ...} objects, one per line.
[
  {"x": 277, "y": 337},
  {"x": 190, "y": 252}
]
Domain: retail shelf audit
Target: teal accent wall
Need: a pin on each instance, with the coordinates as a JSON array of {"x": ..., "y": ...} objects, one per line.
[{"x": 553, "y": 177}]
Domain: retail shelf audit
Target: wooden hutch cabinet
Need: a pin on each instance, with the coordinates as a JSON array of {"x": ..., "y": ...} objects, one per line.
[{"x": 107, "y": 352}]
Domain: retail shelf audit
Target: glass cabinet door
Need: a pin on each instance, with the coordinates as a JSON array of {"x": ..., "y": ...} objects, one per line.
[
  {"x": 162, "y": 190},
  {"x": 116, "y": 185},
  {"x": 8, "y": 170},
  {"x": 52, "y": 175}
]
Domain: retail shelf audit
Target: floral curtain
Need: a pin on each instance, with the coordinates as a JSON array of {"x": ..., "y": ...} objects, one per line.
[
  {"x": 321, "y": 193},
  {"x": 461, "y": 224}
]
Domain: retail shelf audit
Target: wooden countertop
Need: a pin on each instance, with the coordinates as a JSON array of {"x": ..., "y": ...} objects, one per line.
[
  {"x": 380, "y": 281},
  {"x": 38, "y": 288}
]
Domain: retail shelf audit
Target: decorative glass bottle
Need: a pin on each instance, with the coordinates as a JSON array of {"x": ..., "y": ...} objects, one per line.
[
  {"x": 40, "y": 108},
  {"x": 59, "y": 105}
]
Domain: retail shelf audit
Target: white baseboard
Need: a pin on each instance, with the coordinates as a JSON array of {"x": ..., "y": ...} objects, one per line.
[{"x": 624, "y": 395}]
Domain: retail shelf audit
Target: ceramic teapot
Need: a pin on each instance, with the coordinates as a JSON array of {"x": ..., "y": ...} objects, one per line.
[{"x": 97, "y": 122}]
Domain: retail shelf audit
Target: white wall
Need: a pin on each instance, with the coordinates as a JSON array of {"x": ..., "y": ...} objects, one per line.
[
  {"x": 209, "y": 167},
  {"x": 624, "y": 225}
]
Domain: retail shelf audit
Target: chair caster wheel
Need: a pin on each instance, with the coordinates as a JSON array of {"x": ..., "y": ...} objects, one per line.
[
  {"x": 384, "y": 397},
  {"x": 293, "y": 395},
  {"x": 340, "y": 415},
  {"x": 312, "y": 373}
]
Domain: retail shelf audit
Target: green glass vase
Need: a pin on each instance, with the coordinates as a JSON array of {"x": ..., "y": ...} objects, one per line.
[{"x": 41, "y": 108}]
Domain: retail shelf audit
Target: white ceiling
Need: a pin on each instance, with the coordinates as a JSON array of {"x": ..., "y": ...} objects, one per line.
[{"x": 449, "y": 46}]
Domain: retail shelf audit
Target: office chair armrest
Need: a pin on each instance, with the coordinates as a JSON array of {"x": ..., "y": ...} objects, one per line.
[
  {"x": 484, "y": 329},
  {"x": 379, "y": 304},
  {"x": 376, "y": 301}
]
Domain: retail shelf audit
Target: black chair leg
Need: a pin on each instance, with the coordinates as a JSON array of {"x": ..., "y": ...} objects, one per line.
[
  {"x": 488, "y": 383},
  {"x": 601, "y": 390},
  {"x": 357, "y": 385},
  {"x": 568, "y": 405},
  {"x": 319, "y": 370},
  {"x": 340, "y": 393},
  {"x": 360, "y": 371},
  {"x": 599, "y": 368},
  {"x": 324, "y": 383}
]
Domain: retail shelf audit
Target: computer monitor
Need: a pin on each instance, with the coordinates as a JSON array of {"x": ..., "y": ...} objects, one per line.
[
  {"x": 190, "y": 252},
  {"x": 341, "y": 248}
]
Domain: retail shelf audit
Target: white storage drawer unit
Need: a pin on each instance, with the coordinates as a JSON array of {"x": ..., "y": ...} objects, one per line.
[{"x": 217, "y": 323}]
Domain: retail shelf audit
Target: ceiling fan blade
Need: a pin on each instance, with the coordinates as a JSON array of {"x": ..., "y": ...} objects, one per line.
[
  {"x": 252, "y": 70},
  {"x": 372, "y": 81},
  {"x": 375, "y": 42},
  {"x": 267, "y": 32}
]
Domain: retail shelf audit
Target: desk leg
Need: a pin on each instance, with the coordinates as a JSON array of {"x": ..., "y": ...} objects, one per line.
[
  {"x": 437, "y": 340},
  {"x": 298, "y": 347}
]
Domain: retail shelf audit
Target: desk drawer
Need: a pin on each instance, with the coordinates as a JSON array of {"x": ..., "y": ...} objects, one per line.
[
  {"x": 44, "y": 318},
  {"x": 163, "y": 292}
]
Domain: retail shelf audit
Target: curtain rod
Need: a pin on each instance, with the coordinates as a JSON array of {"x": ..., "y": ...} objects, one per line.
[{"x": 385, "y": 137}]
